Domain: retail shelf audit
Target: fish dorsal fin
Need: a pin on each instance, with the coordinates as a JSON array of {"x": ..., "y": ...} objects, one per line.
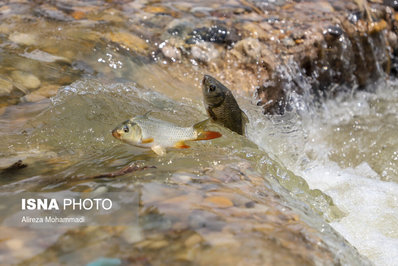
[{"x": 200, "y": 125}]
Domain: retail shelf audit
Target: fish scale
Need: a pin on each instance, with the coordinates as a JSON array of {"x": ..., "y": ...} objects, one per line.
[
  {"x": 221, "y": 105},
  {"x": 146, "y": 132},
  {"x": 228, "y": 114},
  {"x": 163, "y": 133}
]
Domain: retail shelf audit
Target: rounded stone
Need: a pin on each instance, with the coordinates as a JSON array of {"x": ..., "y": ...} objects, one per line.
[
  {"x": 204, "y": 52},
  {"x": 28, "y": 80},
  {"x": 5, "y": 87},
  {"x": 23, "y": 38}
]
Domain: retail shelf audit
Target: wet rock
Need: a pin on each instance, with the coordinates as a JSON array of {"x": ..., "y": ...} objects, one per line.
[
  {"x": 179, "y": 27},
  {"x": 78, "y": 15},
  {"x": 98, "y": 192},
  {"x": 110, "y": 15},
  {"x": 14, "y": 244},
  {"x": 221, "y": 239},
  {"x": 261, "y": 31},
  {"x": 204, "y": 52},
  {"x": 157, "y": 244},
  {"x": 219, "y": 202},
  {"x": 45, "y": 57},
  {"x": 378, "y": 26},
  {"x": 5, "y": 87},
  {"x": 288, "y": 42},
  {"x": 10, "y": 93},
  {"x": 47, "y": 90},
  {"x": 27, "y": 80},
  {"x": 160, "y": 10},
  {"x": 251, "y": 47},
  {"x": 133, "y": 234},
  {"x": 201, "y": 219},
  {"x": 171, "y": 52},
  {"x": 32, "y": 98},
  {"x": 193, "y": 240},
  {"x": 52, "y": 12},
  {"x": 129, "y": 41},
  {"x": 332, "y": 33},
  {"x": 391, "y": 3},
  {"x": 27, "y": 39},
  {"x": 217, "y": 34},
  {"x": 182, "y": 178}
]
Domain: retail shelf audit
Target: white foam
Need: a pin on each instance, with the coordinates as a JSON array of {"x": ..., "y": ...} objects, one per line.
[
  {"x": 370, "y": 204},
  {"x": 371, "y": 224}
]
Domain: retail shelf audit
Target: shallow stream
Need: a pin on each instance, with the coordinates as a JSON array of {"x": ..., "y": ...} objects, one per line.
[{"x": 277, "y": 196}]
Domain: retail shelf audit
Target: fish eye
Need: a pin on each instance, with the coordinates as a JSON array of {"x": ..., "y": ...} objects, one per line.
[
  {"x": 212, "y": 87},
  {"x": 126, "y": 129}
]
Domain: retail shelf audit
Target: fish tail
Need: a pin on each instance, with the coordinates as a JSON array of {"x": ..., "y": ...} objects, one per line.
[{"x": 206, "y": 135}]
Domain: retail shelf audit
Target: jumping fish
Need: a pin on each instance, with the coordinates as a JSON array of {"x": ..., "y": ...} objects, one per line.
[{"x": 221, "y": 105}]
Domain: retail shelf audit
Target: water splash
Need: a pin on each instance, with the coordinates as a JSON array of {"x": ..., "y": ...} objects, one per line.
[{"x": 347, "y": 148}]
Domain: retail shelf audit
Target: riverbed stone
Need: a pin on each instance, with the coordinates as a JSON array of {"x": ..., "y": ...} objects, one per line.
[
  {"x": 32, "y": 98},
  {"x": 5, "y": 87},
  {"x": 219, "y": 201},
  {"x": 27, "y": 80},
  {"x": 10, "y": 92},
  {"x": 129, "y": 41},
  {"x": 296, "y": 46},
  {"x": 204, "y": 51},
  {"x": 171, "y": 52},
  {"x": 23, "y": 38},
  {"x": 133, "y": 234}
]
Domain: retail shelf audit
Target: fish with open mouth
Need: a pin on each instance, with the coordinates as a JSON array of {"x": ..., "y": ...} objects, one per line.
[{"x": 148, "y": 132}]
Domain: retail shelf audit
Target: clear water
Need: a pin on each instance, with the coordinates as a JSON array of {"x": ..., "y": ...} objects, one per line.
[
  {"x": 68, "y": 139},
  {"x": 323, "y": 167}
]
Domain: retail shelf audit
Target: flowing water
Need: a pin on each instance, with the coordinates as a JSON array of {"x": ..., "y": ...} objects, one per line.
[
  {"x": 277, "y": 196},
  {"x": 347, "y": 149}
]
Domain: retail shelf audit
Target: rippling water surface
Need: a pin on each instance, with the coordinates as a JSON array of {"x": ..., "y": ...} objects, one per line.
[{"x": 284, "y": 190}]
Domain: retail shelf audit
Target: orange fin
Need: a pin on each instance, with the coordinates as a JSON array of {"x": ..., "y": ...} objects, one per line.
[
  {"x": 206, "y": 135},
  {"x": 148, "y": 140},
  {"x": 181, "y": 145}
]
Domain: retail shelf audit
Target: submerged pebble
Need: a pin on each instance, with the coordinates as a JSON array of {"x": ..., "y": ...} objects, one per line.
[
  {"x": 193, "y": 240},
  {"x": 219, "y": 201},
  {"x": 5, "y": 87},
  {"x": 10, "y": 93},
  {"x": 27, "y": 39},
  {"x": 45, "y": 57},
  {"x": 171, "y": 52},
  {"x": 28, "y": 80},
  {"x": 133, "y": 234},
  {"x": 129, "y": 40}
]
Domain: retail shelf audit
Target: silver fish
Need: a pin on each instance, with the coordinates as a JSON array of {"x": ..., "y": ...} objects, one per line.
[{"x": 148, "y": 132}]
